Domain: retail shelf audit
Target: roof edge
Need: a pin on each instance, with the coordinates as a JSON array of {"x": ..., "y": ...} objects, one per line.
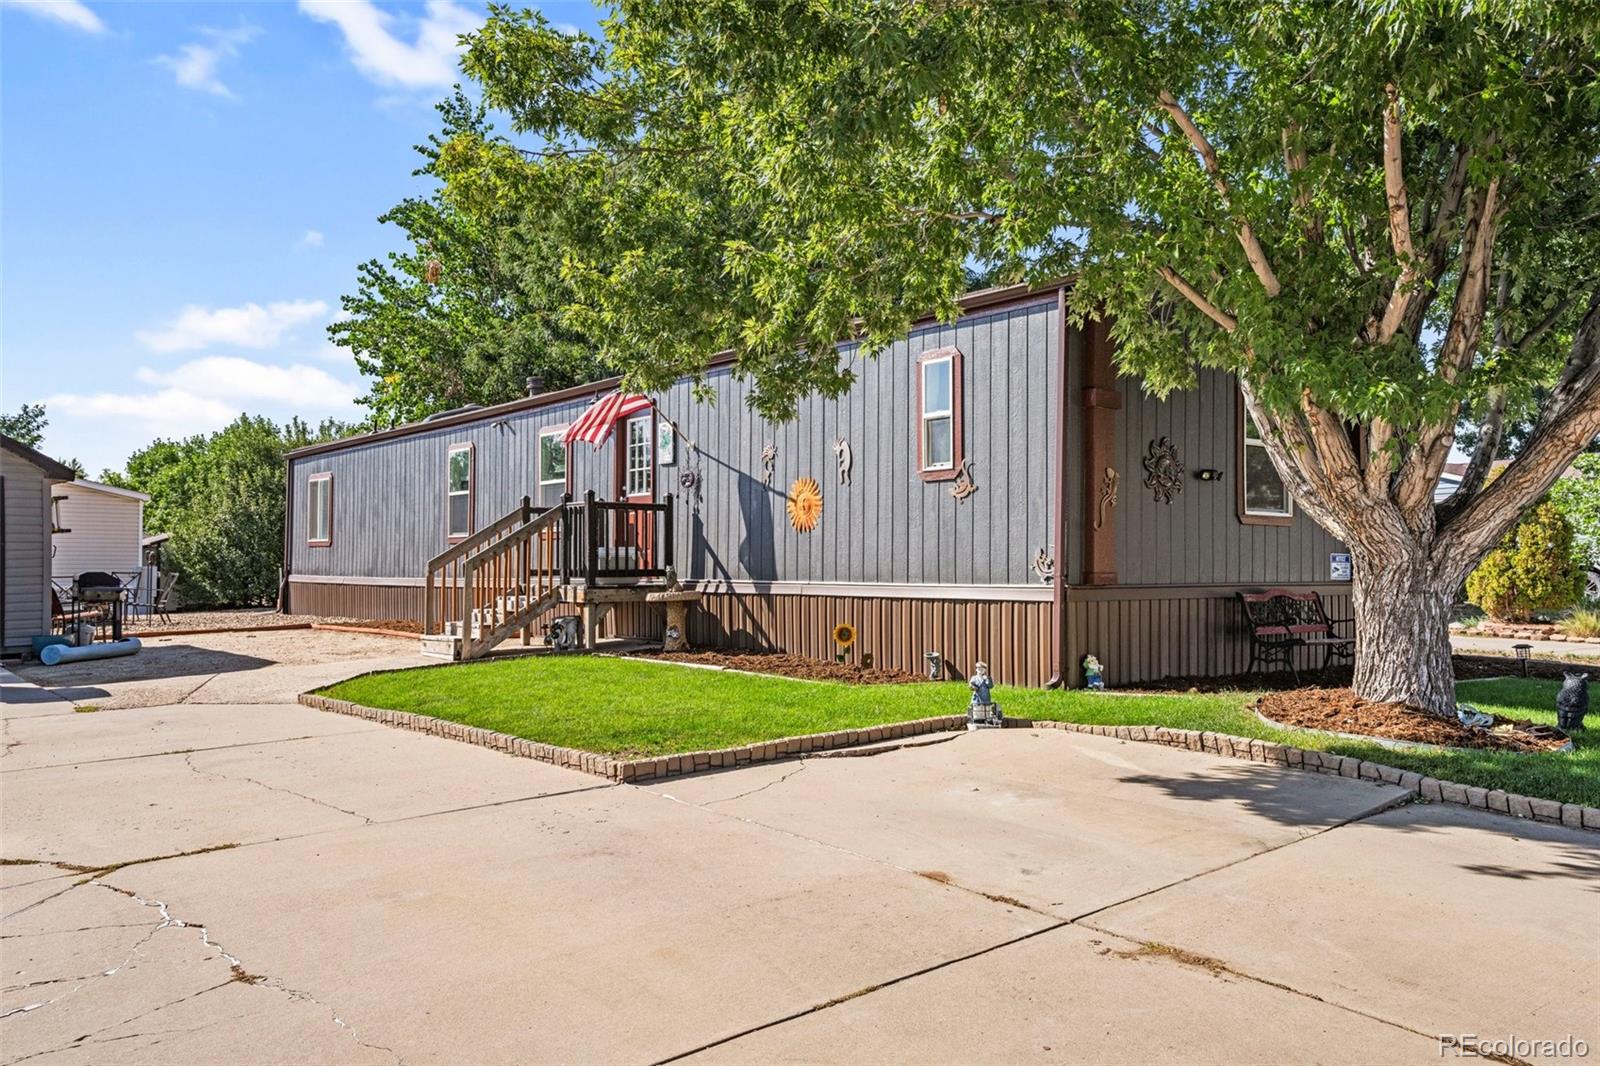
[{"x": 54, "y": 470}]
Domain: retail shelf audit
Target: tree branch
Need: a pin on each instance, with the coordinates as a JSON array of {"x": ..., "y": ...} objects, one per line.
[
  {"x": 1394, "y": 185},
  {"x": 1208, "y": 158},
  {"x": 1567, "y": 424},
  {"x": 1196, "y": 297}
]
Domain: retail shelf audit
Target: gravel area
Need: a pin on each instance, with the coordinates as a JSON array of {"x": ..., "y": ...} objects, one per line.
[{"x": 237, "y": 618}]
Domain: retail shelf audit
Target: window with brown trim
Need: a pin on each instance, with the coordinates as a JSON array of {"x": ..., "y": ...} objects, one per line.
[
  {"x": 1263, "y": 498},
  {"x": 459, "y": 478},
  {"x": 319, "y": 510},
  {"x": 938, "y": 414}
]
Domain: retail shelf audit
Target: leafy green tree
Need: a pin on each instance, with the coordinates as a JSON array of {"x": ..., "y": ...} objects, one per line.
[
  {"x": 27, "y": 425},
  {"x": 1379, "y": 216},
  {"x": 221, "y": 498},
  {"x": 1577, "y": 497},
  {"x": 469, "y": 312},
  {"x": 1531, "y": 570}
]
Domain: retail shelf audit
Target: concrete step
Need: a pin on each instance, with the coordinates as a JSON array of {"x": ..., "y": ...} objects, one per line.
[{"x": 441, "y": 646}]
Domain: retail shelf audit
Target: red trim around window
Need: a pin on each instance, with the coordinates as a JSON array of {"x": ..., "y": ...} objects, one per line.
[
  {"x": 472, "y": 491},
  {"x": 311, "y": 541},
  {"x": 941, "y": 474}
]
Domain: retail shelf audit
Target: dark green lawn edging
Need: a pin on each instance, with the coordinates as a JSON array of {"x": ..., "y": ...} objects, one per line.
[{"x": 630, "y": 710}]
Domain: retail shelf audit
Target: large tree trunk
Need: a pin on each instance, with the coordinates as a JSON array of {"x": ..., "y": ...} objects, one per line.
[{"x": 1402, "y": 609}]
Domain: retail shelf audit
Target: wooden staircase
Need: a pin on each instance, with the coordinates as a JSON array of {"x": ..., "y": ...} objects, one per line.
[{"x": 501, "y": 579}]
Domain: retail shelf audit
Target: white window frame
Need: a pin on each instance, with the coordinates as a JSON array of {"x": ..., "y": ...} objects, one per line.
[
  {"x": 319, "y": 484},
  {"x": 927, "y": 415},
  {"x": 450, "y": 494},
  {"x": 538, "y": 457},
  {"x": 1249, "y": 441},
  {"x": 646, "y": 448}
]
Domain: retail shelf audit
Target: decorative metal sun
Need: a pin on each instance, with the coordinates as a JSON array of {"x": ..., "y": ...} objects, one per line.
[{"x": 805, "y": 504}]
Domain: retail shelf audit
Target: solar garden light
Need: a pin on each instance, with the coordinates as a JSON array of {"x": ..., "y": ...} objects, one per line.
[{"x": 1523, "y": 651}]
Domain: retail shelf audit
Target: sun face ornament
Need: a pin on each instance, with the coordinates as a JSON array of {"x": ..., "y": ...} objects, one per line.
[{"x": 805, "y": 504}]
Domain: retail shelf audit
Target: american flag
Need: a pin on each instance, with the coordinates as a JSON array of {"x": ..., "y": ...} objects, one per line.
[{"x": 596, "y": 424}]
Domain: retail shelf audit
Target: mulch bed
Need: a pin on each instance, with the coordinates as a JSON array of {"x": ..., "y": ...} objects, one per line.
[
  {"x": 791, "y": 666},
  {"x": 1338, "y": 710},
  {"x": 1467, "y": 668}
]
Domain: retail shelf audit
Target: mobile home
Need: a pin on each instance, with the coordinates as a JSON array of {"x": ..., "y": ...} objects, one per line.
[{"x": 987, "y": 489}]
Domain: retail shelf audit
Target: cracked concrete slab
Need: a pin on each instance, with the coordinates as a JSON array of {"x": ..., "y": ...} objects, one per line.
[
  {"x": 85, "y": 738},
  {"x": 1069, "y": 822},
  {"x": 107, "y": 812},
  {"x": 1066, "y": 996},
  {"x": 20, "y": 698},
  {"x": 134, "y": 991},
  {"x": 603, "y": 926},
  {"x": 1448, "y": 919}
]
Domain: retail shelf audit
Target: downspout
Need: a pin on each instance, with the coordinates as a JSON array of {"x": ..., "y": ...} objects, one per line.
[{"x": 1058, "y": 576}]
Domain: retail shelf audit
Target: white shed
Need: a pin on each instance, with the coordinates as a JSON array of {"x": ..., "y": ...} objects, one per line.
[
  {"x": 101, "y": 527},
  {"x": 26, "y": 482}
]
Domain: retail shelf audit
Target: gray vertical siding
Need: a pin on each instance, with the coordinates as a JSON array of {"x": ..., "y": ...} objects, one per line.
[
  {"x": 1198, "y": 538},
  {"x": 886, "y": 524},
  {"x": 389, "y": 495},
  {"x": 27, "y": 549}
]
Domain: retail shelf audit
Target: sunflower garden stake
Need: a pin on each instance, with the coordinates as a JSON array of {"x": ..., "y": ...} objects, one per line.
[{"x": 844, "y": 635}]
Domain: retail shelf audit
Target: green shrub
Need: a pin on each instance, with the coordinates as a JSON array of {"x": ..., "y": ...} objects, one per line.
[
  {"x": 1582, "y": 622},
  {"x": 1532, "y": 569}
]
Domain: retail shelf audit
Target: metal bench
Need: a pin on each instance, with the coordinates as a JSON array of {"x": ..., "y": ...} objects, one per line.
[{"x": 1281, "y": 622}]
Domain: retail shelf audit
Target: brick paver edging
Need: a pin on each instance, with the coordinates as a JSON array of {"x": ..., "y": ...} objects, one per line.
[
  {"x": 638, "y": 769},
  {"x": 1426, "y": 788}
]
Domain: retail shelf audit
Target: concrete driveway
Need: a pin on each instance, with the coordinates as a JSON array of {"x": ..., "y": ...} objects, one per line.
[{"x": 304, "y": 887}]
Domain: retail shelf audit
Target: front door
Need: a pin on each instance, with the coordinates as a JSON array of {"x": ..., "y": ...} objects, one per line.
[{"x": 638, "y": 485}]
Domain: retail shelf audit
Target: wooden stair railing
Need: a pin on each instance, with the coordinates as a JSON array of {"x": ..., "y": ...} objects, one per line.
[
  {"x": 442, "y": 578},
  {"x": 511, "y": 582}
]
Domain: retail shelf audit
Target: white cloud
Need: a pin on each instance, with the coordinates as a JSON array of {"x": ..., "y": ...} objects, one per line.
[
  {"x": 68, "y": 12},
  {"x": 196, "y": 65},
  {"x": 222, "y": 377},
  {"x": 312, "y": 238},
  {"x": 249, "y": 326},
  {"x": 167, "y": 413},
  {"x": 428, "y": 61}
]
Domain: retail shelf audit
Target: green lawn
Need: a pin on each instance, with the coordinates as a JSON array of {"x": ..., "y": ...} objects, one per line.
[{"x": 629, "y": 708}]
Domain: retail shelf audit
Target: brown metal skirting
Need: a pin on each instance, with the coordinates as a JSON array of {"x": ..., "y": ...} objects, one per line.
[
  {"x": 1155, "y": 632},
  {"x": 1139, "y": 633}
]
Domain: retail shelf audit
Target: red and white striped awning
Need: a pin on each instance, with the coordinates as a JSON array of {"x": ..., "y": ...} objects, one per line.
[{"x": 596, "y": 424}]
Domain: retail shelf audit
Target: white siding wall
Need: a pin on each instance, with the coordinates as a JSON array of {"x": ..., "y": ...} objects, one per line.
[
  {"x": 27, "y": 533},
  {"x": 105, "y": 532}
]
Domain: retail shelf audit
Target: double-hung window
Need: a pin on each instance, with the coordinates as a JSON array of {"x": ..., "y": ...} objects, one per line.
[
  {"x": 1263, "y": 497},
  {"x": 639, "y": 466},
  {"x": 939, "y": 413},
  {"x": 319, "y": 510},
  {"x": 458, "y": 492},
  {"x": 552, "y": 458}
]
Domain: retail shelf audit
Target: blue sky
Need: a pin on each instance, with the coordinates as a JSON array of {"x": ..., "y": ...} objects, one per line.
[{"x": 186, "y": 191}]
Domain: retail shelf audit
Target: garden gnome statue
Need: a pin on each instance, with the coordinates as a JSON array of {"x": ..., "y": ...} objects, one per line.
[
  {"x": 1092, "y": 673},
  {"x": 1572, "y": 702},
  {"x": 982, "y": 712}
]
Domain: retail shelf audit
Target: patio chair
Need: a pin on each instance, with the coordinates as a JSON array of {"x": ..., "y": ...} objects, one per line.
[{"x": 163, "y": 597}]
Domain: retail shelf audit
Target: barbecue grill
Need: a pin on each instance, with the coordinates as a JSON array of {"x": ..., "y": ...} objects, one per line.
[{"x": 97, "y": 587}]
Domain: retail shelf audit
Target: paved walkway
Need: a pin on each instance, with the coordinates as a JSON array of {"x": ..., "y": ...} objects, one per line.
[
  {"x": 336, "y": 891},
  {"x": 1542, "y": 649}
]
